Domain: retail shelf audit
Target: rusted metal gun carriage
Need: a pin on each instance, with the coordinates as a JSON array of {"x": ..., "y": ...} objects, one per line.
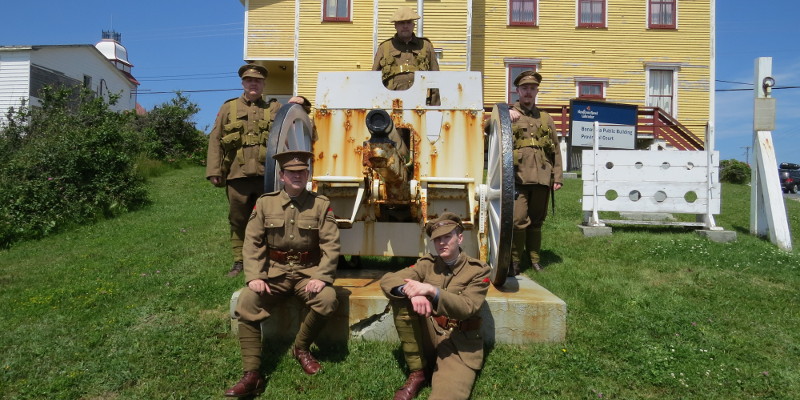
[{"x": 390, "y": 163}]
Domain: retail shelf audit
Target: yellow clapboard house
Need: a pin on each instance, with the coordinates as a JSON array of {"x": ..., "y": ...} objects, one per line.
[{"x": 656, "y": 54}]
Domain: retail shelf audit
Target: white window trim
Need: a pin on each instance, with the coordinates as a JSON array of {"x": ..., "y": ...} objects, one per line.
[
  {"x": 675, "y": 67},
  {"x": 647, "y": 16},
  {"x": 588, "y": 79},
  {"x": 510, "y": 62},
  {"x": 350, "y": 7},
  {"x": 535, "y": 15},
  {"x": 578, "y": 15}
]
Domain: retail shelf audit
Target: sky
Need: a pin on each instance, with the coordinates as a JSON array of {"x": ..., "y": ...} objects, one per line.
[{"x": 196, "y": 47}]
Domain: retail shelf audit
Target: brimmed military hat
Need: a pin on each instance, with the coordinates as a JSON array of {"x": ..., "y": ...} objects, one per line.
[
  {"x": 443, "y": 225},
  {"x": 404, "y": 13},
  {"x": 529, "y": 76},
  {"x": 293, "y": 160},
  {"x": 253, "y": 71}
]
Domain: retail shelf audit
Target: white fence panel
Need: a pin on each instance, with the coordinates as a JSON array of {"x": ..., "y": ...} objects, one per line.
[{"x": 684, "y": 182}]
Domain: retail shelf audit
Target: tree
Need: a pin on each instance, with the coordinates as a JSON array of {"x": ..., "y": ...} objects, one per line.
[
  {"x": 169, "y": 132},
  {"x": 734, "y": 171},
  {"x": 71, "y": 161}
]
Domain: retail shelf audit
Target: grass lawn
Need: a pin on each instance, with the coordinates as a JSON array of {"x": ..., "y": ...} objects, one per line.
[{"x": 136, "y": 308}]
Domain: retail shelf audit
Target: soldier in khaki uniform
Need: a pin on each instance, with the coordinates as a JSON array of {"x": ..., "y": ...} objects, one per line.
[
  {"x": 537, "y": 167},
  {"x": 291, "y": 248},
  {"x": 400, "y": 56},
  {"x": 237, "y": 149},
  {"x": 435, "y": 304}
]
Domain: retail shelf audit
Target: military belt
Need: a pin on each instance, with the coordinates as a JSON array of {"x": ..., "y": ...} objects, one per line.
[
  {"x": 298, "y": 257},
  {"x": 529, "y": 142},
  {"x": 450, "y": 324},
  {"x": 250, "y": 140},
  {"x": 403, "y": 68}
]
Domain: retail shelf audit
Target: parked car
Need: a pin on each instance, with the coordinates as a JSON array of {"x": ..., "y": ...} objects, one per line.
[{"x": 789, "y": 174}]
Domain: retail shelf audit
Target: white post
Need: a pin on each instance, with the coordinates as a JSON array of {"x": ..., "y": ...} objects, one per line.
[
  {"x": 767, "y": 211},
  {"x": 708, "y": 218},
  {"x": 596, "y": 150}
]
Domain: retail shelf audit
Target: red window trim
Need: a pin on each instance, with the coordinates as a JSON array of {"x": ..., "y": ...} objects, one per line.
[
  {"x": 326, "y": 18},
  {"x": 601, "y": 24},
  {"x": 592, "y": 96},
  {"x": 511, "y": 22},
  {"x": 651, "y": 25}
]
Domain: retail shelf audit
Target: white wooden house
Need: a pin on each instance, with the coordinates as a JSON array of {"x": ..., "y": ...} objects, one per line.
[{"x": 24, "y": 70}]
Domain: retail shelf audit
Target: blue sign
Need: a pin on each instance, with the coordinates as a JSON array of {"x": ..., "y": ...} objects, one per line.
[{"x": 617, "y": 124}]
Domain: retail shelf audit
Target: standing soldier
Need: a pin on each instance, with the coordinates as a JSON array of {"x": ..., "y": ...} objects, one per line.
[
  {"x": 399, "y": 57},
  {"x": 290, "y": 249},
  {"x": 435, "y": 305},
  {"x": 237, "y": 149},
  {"x": 537, "y": 167}
]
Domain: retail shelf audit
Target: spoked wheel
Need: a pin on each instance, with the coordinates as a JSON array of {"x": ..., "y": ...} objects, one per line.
[
  {"x": 291, "y": 130},
  {"x": 499, "y": 194}
]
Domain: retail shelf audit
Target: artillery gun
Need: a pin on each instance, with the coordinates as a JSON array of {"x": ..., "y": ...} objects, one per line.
[{"x": 390, "y": 163}]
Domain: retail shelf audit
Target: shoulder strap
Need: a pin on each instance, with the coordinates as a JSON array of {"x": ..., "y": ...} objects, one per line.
[{"x": 232, "y": 111}]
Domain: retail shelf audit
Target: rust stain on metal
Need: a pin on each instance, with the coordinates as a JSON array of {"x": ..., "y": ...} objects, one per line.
[
  {"x": 321, "y": 155},
  {"x": 397, "y": 104}
]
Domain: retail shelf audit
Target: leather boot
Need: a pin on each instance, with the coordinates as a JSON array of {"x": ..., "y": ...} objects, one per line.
[
  {"x": 533, "y": 242},
  {"x": 236, "y": 268},
  {"x": 416, "y": 380},
  {"x": 517, "y": 247},
  {"x": 310, "y": 364},
  {"x": 251, "y": 384}
]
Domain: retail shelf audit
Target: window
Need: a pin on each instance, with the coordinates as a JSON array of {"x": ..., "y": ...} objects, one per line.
[
  {"x": 87, "y": 81},
  {"x": 662, "y": 14},
  {"x": 336, "y": 10},
  {"x": 592, "y": 13},
  {"x": 522, "y": 12},
  {"x": 590, "y": 90},
  {"x": 661, "y": 89},
  {"x": 513, "y": 71}
]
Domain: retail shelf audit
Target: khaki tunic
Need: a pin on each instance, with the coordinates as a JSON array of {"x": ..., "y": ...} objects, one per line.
[
  {"x": 536, "y": 169},
  {"x": 534, "y": 165},
  {"x": 252, "y": 120},
  {"x": 398, "y": 61},
  {"x": 462, "y": 292},
  {"x": 301, "y": 224}
]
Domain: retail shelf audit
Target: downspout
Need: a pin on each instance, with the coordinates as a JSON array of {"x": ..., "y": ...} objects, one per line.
[
  {"x": 375, "y": 9},
  {"x": 469, "y": 36},
  {"x": 713, "y": 75},
  {"x": 296, "y": 45},
  {"x": 246, "y": 26},
  {"x": 421, "y": 12}
]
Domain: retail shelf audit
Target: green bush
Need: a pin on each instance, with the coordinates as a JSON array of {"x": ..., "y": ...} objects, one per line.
[
  {"x": 71, "y": 161},
  {"x": 170, "y": 135},
  {"x": 734, "y": 171}
]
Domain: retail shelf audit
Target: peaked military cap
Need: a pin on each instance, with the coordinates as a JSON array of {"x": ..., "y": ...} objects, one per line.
[
  {"x": 529, "y": 76},
  {"x": 253, "y": 71},
  {"x": 443, "y": 225},
  {"x": 404, "y": 13},
  {"x": 293, "y": 160}
]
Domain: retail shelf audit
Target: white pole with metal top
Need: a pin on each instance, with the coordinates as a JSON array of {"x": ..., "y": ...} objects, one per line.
[{"x": 767, "y": 211}]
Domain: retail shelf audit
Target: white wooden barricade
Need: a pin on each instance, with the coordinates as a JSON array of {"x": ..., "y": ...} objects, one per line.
[{"x": 644, "y": 181}]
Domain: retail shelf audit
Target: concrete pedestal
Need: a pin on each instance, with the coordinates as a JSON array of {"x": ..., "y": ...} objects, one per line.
[{"x": 521, "y": 312}]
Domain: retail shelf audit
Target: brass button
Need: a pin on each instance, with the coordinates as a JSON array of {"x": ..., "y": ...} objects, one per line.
[
  {"x": 291, "y": 205},
  {"x": 291, "y": 236},
  {"x": 291, "y": 221}
]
